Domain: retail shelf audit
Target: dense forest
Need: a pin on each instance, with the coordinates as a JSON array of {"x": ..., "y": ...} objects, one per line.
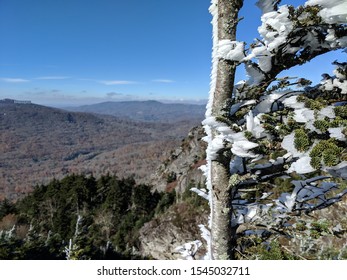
[{"x": 101, "y": 219}]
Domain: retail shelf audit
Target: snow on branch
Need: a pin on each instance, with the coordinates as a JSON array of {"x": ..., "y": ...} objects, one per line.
[
  {"x": 231, "y": 50},
  {"x": 333, "y": 11},
  {"x": 338, "y": 82},
  {"x": 292, "y": 36},
  {"x": 206, "y": 235},
  {"x": 189, "y": 250},
  {"x": 270, "y": 133},
  {"x": 308, "y": 196},
  {"x": 268, "y": 5},
  {"x": 202, "y": 193}
]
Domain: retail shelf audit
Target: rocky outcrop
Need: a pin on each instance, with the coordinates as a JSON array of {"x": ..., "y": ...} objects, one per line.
[
  {"x": 180, "y": 223},
  {"x": 182, "y": 167},
  {"x": 162, "y": 235}
]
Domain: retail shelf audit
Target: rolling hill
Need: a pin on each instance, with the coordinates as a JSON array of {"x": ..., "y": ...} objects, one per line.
[
  {"x": 147, "y": 111},
  {"x": 38, "y": 143}
]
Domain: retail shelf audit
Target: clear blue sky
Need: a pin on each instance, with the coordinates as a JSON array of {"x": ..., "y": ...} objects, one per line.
[{"x": 86, "y": 51}]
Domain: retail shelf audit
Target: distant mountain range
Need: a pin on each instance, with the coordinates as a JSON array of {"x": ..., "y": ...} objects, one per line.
[
  {"x": 148, "y": 111},
  {"x": 38, "y": 143}
]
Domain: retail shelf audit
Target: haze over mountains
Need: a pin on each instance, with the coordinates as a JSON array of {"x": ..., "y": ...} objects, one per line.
[
  {"x": 148, "y": 111},
  {"x": 38, "y": 143}
]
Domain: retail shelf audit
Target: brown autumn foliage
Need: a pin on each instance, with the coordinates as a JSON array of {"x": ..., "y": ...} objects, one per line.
[{"x": 39, "y": 143}]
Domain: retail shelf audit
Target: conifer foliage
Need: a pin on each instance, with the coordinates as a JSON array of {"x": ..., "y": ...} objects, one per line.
[
  {"x": 271, "y": 128},
  {"x": 79, "y": 217}
]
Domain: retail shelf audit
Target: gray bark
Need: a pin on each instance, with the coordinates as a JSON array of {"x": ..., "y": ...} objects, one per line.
[{"x": 222, "y": 233}]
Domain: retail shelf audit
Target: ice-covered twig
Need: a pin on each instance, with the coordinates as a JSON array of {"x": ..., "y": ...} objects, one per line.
[
  {"x": 188, "y": 250},
  {"x": 201, "y": 193}
]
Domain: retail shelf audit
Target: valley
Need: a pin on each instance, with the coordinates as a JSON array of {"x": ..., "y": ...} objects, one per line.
[{"x": 39, "y": 143}]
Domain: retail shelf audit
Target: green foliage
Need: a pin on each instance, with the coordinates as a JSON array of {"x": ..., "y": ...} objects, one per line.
[
  {"x": 274, "y": 124},
  {"x": 270, "y": 251},
  {"x": 264, "y": 147},
  {"x": 291, "y": 123},
  {"x": 6, "y": 207},
  {"x": 341, "y": 111},
  {"x": 316, "y": 162},
  {"x": 322, "y": 125},
  {"x": 319, "y": 228},
  {"x": 325, "y": 151},
  {"x": 269, "y": 118},
  {"x": 338, "y": 122},
  {"x": 329, "y": 158},
  {"x": 111, "y": 210},
  {"x": 248, "y": 135},
  {"x": 269, "y": 128},
  {"x": 311, "y": 16},
  {"x": 277, "y": 153},
  {"x": 301, "y": 226},
  {"x": 225, "y": 120},
  {"x": 302, "y": 82},
  {"x": 144, "y": 201},
  {"x": 313, "y": 104},
  {"x": 302, "y": 141},
  {"x": 283, "y": 185},
  {"x": 270, "y": 123},
  {"x": 165, "y": 202},
  {"x": 193, "y": 198},
  {"x": 242, "y": 112}
]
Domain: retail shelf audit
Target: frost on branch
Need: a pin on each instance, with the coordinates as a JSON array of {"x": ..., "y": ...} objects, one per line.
[
  {"x": 338, "y": 82},
  {"x": 290, "y": 37},
  {"x": 202, "y": 193},
  {"x": 231, "y": 50},
  {"x": 308, "y": 196},
  {"x": 286, "y": 138},
  {"x": 333, "y": 11},
  {"x": 189, "y": 249},
  {"x": 268, "y": 5}
]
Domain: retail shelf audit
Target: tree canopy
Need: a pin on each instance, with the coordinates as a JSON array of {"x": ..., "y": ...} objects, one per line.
[{"x": 79, "y": 217}]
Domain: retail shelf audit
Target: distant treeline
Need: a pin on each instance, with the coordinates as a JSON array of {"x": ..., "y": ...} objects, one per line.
[
  {"x": 102, "y": 218},
  {"x": 13, "y": 101}
]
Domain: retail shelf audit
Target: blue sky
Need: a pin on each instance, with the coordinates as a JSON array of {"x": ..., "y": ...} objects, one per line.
[{"x": 61, "y": 52}]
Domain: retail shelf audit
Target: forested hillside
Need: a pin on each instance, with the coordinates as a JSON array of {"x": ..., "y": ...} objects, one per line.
[
  {"x": 39, "y": 143},
  {"x": 107, "y": 217},
  {"x": 102, "y": 218},
  {"x": 113, "y": 218}
]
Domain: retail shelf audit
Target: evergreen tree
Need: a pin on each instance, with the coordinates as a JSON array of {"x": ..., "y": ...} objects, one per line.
[
  {"x": 263, "y": 128},
  {"x": 6, "y": 207},
  {"x": 78, "y": 217}
]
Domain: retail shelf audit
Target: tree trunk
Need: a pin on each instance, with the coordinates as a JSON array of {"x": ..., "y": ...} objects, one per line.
[{"x": 222, "y": 233}]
